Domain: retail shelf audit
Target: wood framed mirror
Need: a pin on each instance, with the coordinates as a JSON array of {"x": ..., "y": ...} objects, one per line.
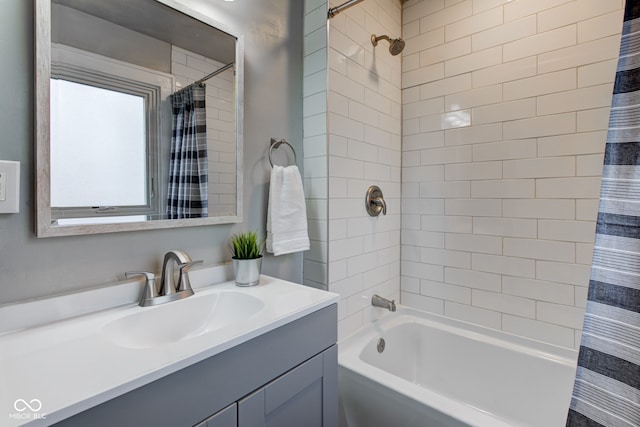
[{"x": 123, "y": 91}]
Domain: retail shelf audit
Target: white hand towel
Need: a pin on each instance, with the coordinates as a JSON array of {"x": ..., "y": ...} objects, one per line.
[{"x": 287, "y": 212}]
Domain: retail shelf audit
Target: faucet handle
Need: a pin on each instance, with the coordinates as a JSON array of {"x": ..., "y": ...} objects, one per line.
[
  {"x": 184, "y": 283},
  {"x": 379, "y": 201},
  {"x": 185, "y": 266},
  {"x": 374, "y": 201},
  {"x": 150, "y": 290}
]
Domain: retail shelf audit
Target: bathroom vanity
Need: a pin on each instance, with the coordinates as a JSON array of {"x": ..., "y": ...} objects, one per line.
[
  {"x": 261, "y": 356},
  {"x": 286, "y": 377}
]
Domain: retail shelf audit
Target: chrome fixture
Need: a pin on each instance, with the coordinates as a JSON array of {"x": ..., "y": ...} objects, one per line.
[
  {"x": 150, "y": 291},
  {"x": 375, "y": 201},
  {"x": 275, "y": 143},
  {"x": 381, "y": 345},
  {"x": 395, "y": 45},
  {"x": 210, "y": 75},
  {"x": 378, "y": 301},
  {"x": 346, "y": 5},
  {"x": 173, "y": 285}
]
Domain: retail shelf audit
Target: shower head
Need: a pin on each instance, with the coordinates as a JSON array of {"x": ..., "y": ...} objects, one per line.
[{"x": 395, "y": 45}]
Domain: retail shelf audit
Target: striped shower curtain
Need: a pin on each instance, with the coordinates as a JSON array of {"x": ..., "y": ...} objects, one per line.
[
  {"x": 188, "y": 175},
  {"x": 607, "y": 386}
]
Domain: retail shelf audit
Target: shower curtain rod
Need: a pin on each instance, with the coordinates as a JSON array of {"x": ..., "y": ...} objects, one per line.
[
  {"x": 346, "y": 5},
  {"x": 208, "y": 76},
  {"x": 215, "y": 73}
]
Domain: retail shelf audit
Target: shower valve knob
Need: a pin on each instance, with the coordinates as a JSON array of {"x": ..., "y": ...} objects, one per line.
[{"x": 375, "y": 203}]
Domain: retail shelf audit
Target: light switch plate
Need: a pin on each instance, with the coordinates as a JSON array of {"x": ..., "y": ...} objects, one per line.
[
  {"x": 10, "y": 183},
  {"x": 3, "y": 186}
]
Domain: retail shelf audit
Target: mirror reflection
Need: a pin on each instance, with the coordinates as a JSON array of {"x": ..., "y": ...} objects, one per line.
[{"x": 143, "y": 118}]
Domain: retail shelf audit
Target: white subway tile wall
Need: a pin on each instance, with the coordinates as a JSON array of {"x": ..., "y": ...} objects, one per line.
[
  {"x": 493, "y": 132},
  {"x": 364, "y": 108},
  {"x": 505, "y": 110},
  {"x": 352, "y": 139}
]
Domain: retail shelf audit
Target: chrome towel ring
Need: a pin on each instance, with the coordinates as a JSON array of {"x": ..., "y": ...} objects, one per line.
[{"x": 275, "y": 143}]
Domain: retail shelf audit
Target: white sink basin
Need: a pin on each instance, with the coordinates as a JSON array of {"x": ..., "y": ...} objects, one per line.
[{"x": 183, "y": 319}]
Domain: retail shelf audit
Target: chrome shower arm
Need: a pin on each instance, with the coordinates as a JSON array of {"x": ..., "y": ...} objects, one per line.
[
  {"x": 375, "y": 39},
  {"x": 346, "y": 5}
]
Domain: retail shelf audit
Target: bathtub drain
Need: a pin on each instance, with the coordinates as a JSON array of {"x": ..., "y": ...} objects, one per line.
[{"x": 381, "y": 345}]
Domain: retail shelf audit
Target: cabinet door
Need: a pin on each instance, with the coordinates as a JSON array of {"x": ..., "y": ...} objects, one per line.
[
  {"x": 305, "y": 396},
  {"x": 228, "y": 417}
]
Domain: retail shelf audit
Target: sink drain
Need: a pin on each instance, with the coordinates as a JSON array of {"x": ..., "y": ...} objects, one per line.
[{"x": 381, "y": 345}]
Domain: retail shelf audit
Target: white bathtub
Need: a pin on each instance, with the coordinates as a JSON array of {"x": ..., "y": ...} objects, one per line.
[{"x": 436, "y": 372}]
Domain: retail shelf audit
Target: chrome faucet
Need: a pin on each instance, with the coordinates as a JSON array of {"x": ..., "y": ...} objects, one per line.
[
  {"x": 378, "y": 301},
  {"x": 172, "y": 286}
]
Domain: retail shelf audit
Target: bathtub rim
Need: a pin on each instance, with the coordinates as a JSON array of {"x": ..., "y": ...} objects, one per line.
[{"x": 350, "y": 348}]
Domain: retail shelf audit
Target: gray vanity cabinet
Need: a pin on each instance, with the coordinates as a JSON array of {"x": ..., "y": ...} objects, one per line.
[
  {"x": 303, "y": 396},
  {"x": 295, "y": 399},
  {"x": 285, "y": 377}
]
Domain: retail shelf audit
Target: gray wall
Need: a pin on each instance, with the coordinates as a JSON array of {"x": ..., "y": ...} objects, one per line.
[{"x": 31, "y": 267}]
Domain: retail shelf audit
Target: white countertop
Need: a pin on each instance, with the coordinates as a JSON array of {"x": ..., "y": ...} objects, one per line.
[{"x": 52, "y": 371}]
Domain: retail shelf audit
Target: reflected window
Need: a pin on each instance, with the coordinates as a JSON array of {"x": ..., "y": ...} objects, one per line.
[
  {"x": 104, "y": 137},
  {"x": 95, "y": 164}
]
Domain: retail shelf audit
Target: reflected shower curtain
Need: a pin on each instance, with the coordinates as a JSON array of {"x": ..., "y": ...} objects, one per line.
[
  {"x": 607, "y": 386},
  {"x": 188, "y": 175}
]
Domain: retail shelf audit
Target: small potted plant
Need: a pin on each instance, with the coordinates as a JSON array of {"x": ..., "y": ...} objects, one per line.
[{"x": 247, "y": 258}]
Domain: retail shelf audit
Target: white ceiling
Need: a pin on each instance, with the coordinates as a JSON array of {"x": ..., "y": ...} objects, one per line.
[{"x": 159, "y": 21}]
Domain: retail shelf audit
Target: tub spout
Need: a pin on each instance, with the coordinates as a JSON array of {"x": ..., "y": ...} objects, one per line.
[{"x": 378, "y": 301}]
